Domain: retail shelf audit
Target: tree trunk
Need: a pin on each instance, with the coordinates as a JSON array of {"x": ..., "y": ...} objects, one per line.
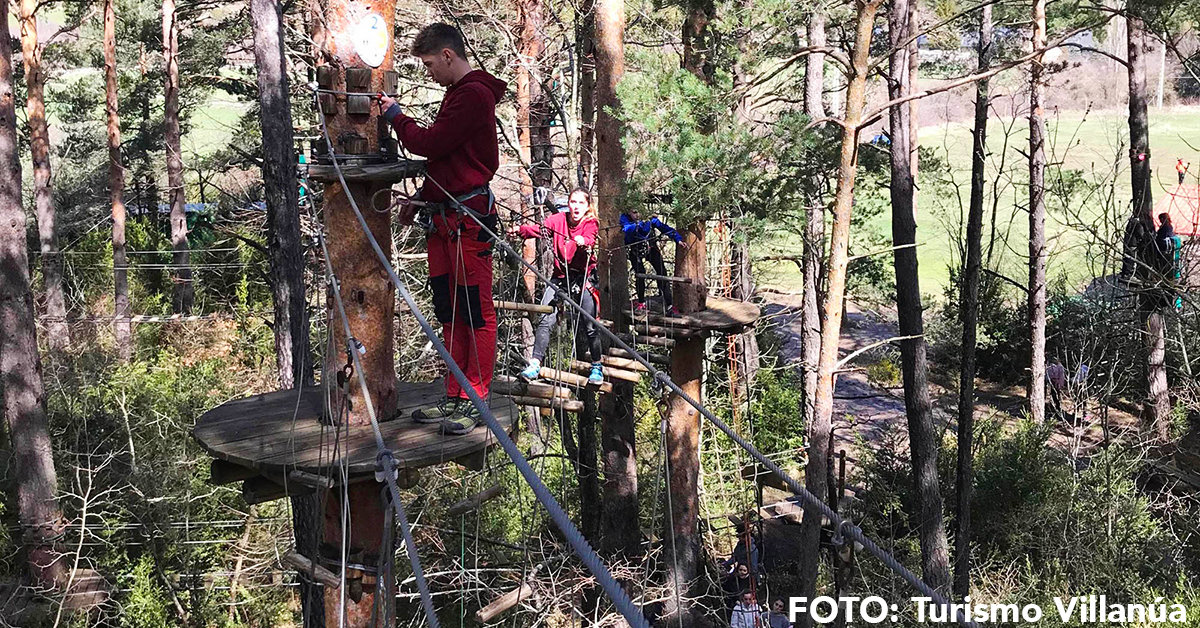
[
  {"x": 687, "y": 363},
  {"x": 585, "y": 46},
  {"x": 1156, "y": 413},
  {"x": 116, "y": 186},
  {"x": 181, "y": 302},
  {"x": 1037, "y": 223},
  {"x": 683, "y": 432},
  {"x": 58, "y": 333},
  {"x": 820, "y": 444},
  {"x": 814, "y": 69},
  {"x": 922, "y": 435},
  {"x": 281, "y": 192},
  {"x": 969, "y": 302},
  {"x": 589, "y": 483},
  {"x": 22, "y": 392},
  {"x": 814, "y": 252},
  {"x": 620, "y": 516}
]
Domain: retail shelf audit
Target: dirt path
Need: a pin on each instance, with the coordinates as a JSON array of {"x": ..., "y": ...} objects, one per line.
[
  {"x": 875, "y": 417},
  {"x": 861, "y": 410}
]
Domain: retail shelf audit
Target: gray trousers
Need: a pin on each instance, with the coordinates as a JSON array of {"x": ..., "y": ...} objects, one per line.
[{"x": 587, "y": 339}]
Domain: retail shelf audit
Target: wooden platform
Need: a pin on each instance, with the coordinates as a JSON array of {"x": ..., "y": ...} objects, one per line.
[
  {"x": 721, "y": 315},
  {"x": 259, "y": 433},
  {"x": 387, "y": 172}
]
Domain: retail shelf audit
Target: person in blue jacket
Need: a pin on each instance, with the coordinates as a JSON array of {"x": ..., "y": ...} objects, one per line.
[{"x": 642, "y": 245}]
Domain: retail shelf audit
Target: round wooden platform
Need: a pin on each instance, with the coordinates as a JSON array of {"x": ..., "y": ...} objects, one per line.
[
  {"x": 279, "y": 432},
  {"x": 720, "y": 315}
]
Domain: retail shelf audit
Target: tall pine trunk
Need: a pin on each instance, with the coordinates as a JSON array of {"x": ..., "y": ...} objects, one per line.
[
  {"x": 58, "y": 336},
  {"x": 619, "y": 520},
  {"x": 1037, "y": 223},
  {"x": 820, "y": 431},
  {"x": 1156, "y": 412},
  {"x": 281, "y": 192},
  {"x": 969, "y": 303},
  {"x": 922, "y": 435},
  {"x": 814, "y": 250},
  {"x": 181, "y": 302},
  {"x": 22, "y": 392},
  {"x": 116, "y": 186},
  {"x": 687, "y": 363},
  {"x": 585, "y": 51}
]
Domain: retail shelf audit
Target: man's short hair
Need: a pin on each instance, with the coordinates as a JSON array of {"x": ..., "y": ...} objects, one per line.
[
  {"x": 1164, "y": 218},
  {"x": 437, "y": 37}
]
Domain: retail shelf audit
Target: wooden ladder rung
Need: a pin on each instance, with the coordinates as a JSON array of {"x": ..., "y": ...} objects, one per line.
[
  {"x": 571, "y": 379},
  {"x": 654, "y": 358},
  {"x": 609, "y": 371},
  {"x": 508, "y": 385},
  {"x": 566, "y": 405}
]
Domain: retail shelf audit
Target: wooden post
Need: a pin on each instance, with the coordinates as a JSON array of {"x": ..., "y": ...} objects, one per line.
[{"x": 354, "y": 45}]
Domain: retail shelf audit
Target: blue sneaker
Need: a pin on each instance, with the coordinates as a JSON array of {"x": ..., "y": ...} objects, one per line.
[
  {"x": 596, "y": 377},
  {"x": 532, "y": 371}
]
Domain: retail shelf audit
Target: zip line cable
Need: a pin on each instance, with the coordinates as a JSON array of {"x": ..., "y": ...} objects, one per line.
[{"x": 589, "y": 557}]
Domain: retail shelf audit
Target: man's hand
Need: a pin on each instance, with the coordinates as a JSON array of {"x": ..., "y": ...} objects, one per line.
[
  {"x": 407, "y": 212},
  {"x": 385, "y": 101},
  {"x": 579, "y": 240}
]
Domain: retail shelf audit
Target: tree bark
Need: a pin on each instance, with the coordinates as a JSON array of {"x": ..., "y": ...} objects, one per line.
[
  {"x": 116, "y": 186},
  {"x": 58, "y": 333},
  {"x": 820, "y": 444},
  {"x": 585, "y": 46},
  {"x": 814, "y": 252},
  {"x": 1037, "y": 223},
  {"x": 281, "y": 192},
  {"x": 589, "y": 482},
  {"x": 683, "y": 432},
  {"x": 814, "y": 68},
  {"x": 969, "y": 303},
  {"x": 23, "y": 393},
  {"x": 1156, "y": 413},
  {"x": 181, "y": 302},
  {"x": 922, "y": 436},
  {"x": 620, "y": 517}
]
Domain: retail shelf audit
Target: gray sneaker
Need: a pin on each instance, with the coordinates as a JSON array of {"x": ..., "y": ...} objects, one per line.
[{"x": 443, "y": 410}]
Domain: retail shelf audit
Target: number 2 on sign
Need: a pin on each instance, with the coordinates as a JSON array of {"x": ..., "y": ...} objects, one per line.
[{"x": 371, "y": 39}]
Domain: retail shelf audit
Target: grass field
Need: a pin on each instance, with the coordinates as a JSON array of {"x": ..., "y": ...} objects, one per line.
[{"x": 1096, "y": 144}]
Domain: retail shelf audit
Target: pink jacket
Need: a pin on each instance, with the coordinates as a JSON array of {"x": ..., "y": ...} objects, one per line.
[{"x": 568, "y": 255}]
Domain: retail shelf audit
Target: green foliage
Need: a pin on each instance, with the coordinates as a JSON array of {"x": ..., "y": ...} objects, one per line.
[
  {"x": 883, "y": 373},
  {"x": 777, "y": 412},
  {"x": 147, "y": 604}
]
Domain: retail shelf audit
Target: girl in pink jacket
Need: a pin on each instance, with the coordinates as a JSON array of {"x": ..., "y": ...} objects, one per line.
[{"x": 572, "y": 234}]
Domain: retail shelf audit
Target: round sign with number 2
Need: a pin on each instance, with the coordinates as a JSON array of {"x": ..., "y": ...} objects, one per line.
[{"x": 371, "y": 39}]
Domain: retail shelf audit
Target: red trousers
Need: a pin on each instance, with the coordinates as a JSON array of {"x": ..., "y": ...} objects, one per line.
[{"x": 460, "y": 274}]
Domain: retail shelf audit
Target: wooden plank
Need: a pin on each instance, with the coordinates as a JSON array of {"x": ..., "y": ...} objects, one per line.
[
  {"x": 668, "y": 332},
  {"x": 528, "y": 308},
  {"x": 393, "y": 172},
  {"x": 609, "y": 372},
  {"x": 258, "y": 490},
  {"x": 654, "y": 358},
  {"x": 662, "y": 278},
  {"x": 503, "y": 603},
  {"x": 566, "y": 405},
  {"x": 654, "y": 341},
  {"x": 221, "y": 472},
  {"x": 571, "y": 379},
  {"x": 475, "y": 501},
  {"x": 625, "y": 363},
  {"x": 313, "y": 570},
  {"x": 720, "y": 315},
  {"x": 512, "y": 386}
]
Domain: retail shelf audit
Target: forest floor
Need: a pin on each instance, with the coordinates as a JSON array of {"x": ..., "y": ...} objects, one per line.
[{"x": 872, "y": 415}]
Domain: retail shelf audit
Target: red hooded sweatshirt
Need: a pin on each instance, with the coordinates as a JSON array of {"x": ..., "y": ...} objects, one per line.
[
  {"x": 461, "y": 143},
  {"x": 565, "y": 247}
]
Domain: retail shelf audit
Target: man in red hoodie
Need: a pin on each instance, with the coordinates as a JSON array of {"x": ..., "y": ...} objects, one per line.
[{"x": 462, "y": 155}]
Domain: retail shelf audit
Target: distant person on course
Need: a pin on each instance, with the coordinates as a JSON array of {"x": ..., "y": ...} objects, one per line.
[
  {"x": 463, "y": 155},
  {"x": 571, "y": 234},
  {"x": 1181, "y": 169},
  {"x": 642, "y": 247}
]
